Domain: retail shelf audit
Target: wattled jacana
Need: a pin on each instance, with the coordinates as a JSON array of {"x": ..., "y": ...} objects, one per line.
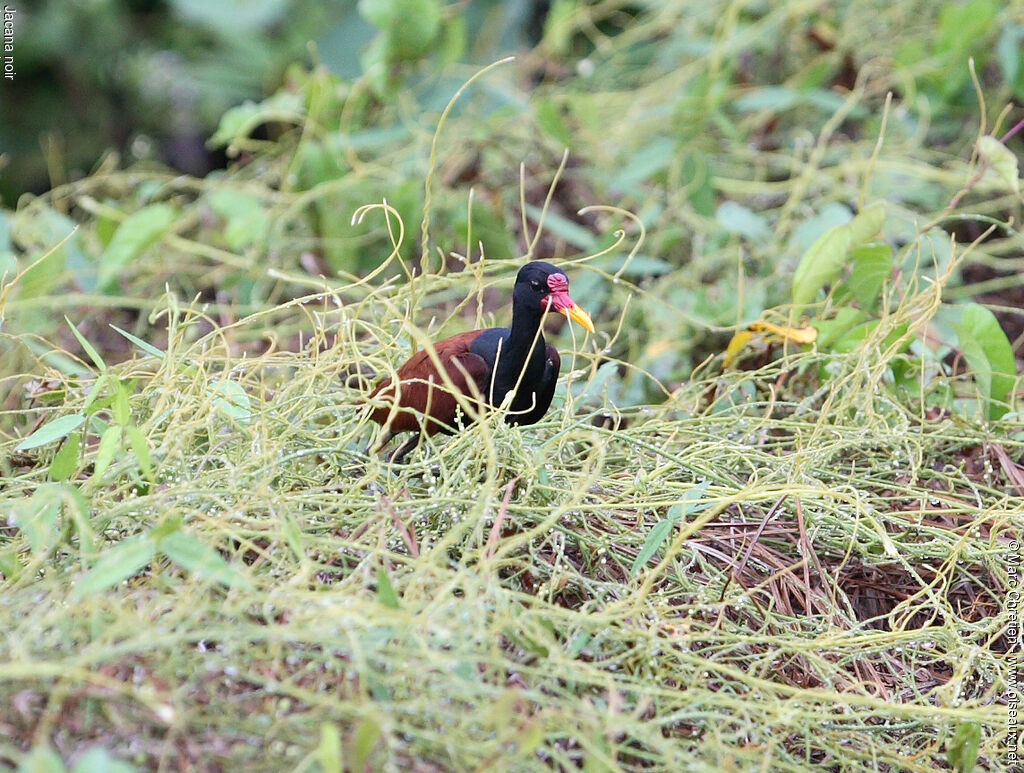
[{"x": 495, "y": 361}]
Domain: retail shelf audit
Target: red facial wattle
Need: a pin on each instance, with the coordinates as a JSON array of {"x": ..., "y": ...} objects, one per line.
[{"x": 560, "y": 301}]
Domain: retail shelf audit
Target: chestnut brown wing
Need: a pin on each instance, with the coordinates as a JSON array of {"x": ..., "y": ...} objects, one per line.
[{"x": 422, "y": 391}]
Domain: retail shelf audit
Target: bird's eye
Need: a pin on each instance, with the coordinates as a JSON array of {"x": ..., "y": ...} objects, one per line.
[{"x": 536, "y": 285}]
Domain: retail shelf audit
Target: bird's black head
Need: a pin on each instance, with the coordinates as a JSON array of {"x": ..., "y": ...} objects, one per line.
[{"x": 541, "y": 286}]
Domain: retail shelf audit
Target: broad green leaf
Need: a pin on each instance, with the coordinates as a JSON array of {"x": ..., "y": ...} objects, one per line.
[
  {"x": 99, "y": 760},
  {"x": 774, "y": 98},
  {"x": 201, "y": 560},
  {"x": 43, "y": 231},
  {"x": 328, "y": 751},
  {"x": 990, "y": 356},
  {"x": 1001, "y": 159},
  {"x": 8, "y": 261},
  {"x": 42, "y": 759},
  {"x": 832, "y": 330},
  {"x": 962, "y": 751},
  {"x": 821, "y": 264},
  {"x": 110, "y": 444},
  {"x": 386, "y": 594},
  {"x": 65, "y": 461},
  {"x": 146, "y": 347},
  {"x": 245, "y": 216},
  {"x": 646, "y": 162},
  {"x": 366, "y": 736},
  {"x": 867, "y": 224},
  {"x": 698, "y": 182},
  {"x": 239, "y": 122},
  {"x": 549, "y": 119},
  {"x": 231, "y": 399},
  {"x": 56, "y": 429},
  {"x": 37, "y": 518},
  {"x": 233, "y": 18},
  {"x": 411, "y": 26},
  {"x": 11, "y": 566},
  {"x": 810, "y": 230},
  {"x": 1008, "y": 49},
  {"x": 137, "y": 232},
  {"x": 563, "y": 228},
  {"x": 454, "y": 38},
  {"x": 743, "y": 221},
  {"x": 872, "y": 265},
  {"x": 116, "y": 565}
]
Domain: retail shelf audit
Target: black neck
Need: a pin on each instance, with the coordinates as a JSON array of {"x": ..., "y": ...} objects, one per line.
[{"x": 518, "y": 347}]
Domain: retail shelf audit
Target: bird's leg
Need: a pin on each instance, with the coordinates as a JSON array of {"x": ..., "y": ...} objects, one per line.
[
  {"x": 374, "y": 447},
  {"x": 396, "y": 456}
]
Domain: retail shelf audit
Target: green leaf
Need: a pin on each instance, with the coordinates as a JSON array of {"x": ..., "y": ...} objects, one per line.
[
  {"x": 99, "y": 760},
  {"x": 866, "y": 225},
  {"x": 872, "y": 265},
  {"x": 809, "y": 230},
  {"x": 454, "y": 37},
  {"x": 698, "y": 182},
  {"x": 559, "y": 27},
  {"x": 233, "y": 18},
  {"x": 830, "y": 331},
  {"x": 386, "y": 594},
  {"x": 774, "y": 98},
  {"x": 655, "y": 537},
  {"x": 411, "y": 26},
  {"x": 231, "y": 399},
  {"x": 116, "y": 565},
  {"x": 648, "y": 161},
  {"x": 740, "y": 220},
  {"x": 990, "y": 356},
  {"x": 201, "y": 560},
  {"x": 821, "y": 264},
  {"x": 366, "y": 736},
  {"x": 239, "y": 122},
  {"x": 328, "y": 751},
  {"x": 86, "y": 346},
  {"x": 660, "y": 531},
  {"x": 110, "y": 444},
  {"x": 563, "y": 228},
  {"x": 76, "y": 507},
  {"x": 245, "y": 216},
  {"x": 1008, "y": 49},
  {"x": 146, "y": 347},
  {"x": 65, "y": 461},
  {"x": 962, "y": 752},
  {"x": 120, "y": 406},
  {"x": 549, "y": 119},
  {"x": 11, "y": 566},
  {"x": 137, "y": 232},
  {"x": 292, "y": 535},
  {"x": 42, "y": 759},
  {"x": 140, "y": 446},
  {"x": 53, "y": 430},
  {"x": 1001, "y": 159},
  {"x": 37, "y": 518}
]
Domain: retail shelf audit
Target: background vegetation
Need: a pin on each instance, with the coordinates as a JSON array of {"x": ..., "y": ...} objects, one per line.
[{"x": 773, "y": 517}]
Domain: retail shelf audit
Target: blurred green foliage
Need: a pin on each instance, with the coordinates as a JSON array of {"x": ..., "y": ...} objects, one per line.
[{"x": 743, "y": 137}]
